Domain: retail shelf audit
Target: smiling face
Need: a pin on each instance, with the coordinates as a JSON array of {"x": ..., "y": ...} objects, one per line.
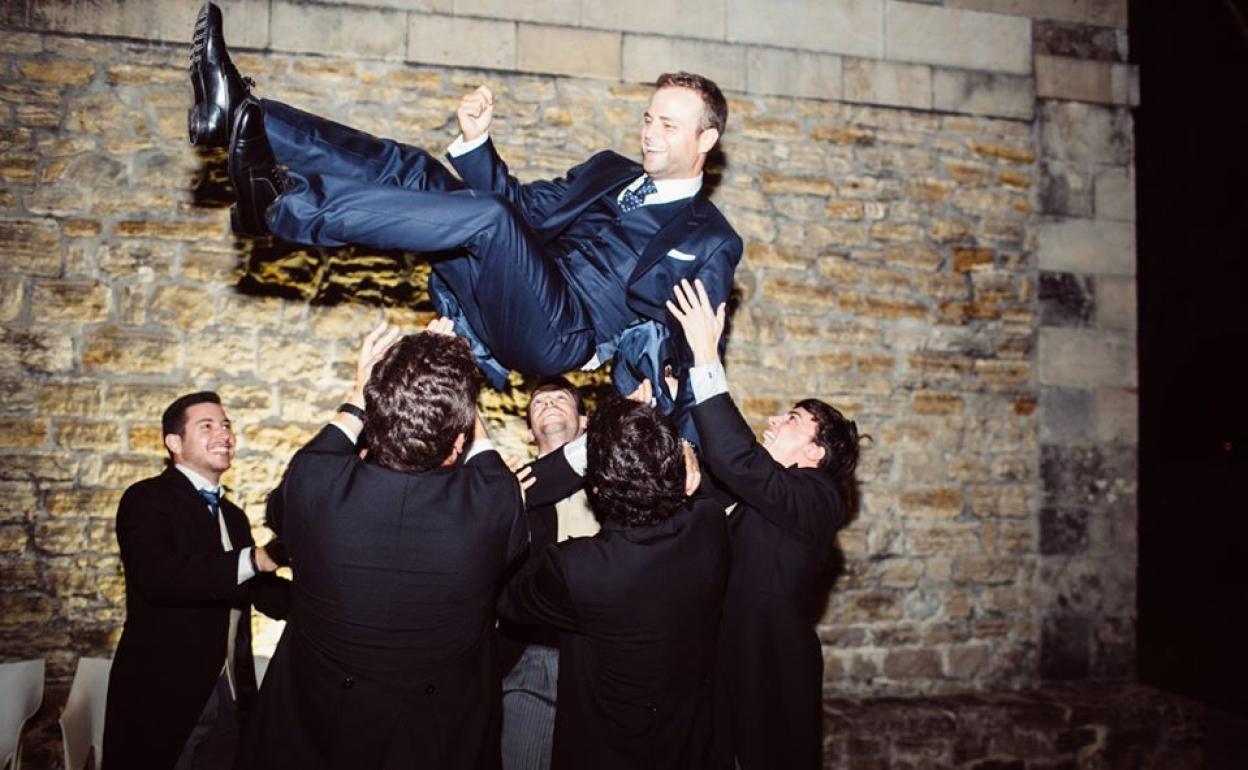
[
  {"x": 790, "y": 439},
  {"x": 206, "y": 444},
  {"x": 554, "y": 420},
  {"x": 673, "y": 143}
]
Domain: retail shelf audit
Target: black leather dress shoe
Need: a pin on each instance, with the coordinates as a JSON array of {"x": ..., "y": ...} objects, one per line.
[
  {"x": 253, "y": 169},
  {"x": 219, "y": 89}
]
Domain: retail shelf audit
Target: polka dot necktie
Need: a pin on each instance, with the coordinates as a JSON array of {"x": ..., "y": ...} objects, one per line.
[{"x": 633, "y": 199}]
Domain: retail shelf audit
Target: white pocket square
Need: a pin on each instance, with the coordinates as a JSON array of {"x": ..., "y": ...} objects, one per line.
[{"x": 682, "y": 256}]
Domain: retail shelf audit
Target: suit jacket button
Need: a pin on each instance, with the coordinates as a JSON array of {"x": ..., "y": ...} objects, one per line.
[
  {"x": 348, "y": 683},
  {"x": 430, "y": 690}
]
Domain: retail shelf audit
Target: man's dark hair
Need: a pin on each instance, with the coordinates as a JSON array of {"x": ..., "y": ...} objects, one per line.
[
  {"x": 173, "y": 420},
  {"x": 839, "y": 438},
  {"x": 421, "y": 395},
  {"x": 635, "y": 475},
  {"x": 714, "y": 105},
  {"x": 554, "y": 382}
]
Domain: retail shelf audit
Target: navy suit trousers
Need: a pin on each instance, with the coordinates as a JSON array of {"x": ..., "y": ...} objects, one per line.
[{"x": 349, "y": 187}]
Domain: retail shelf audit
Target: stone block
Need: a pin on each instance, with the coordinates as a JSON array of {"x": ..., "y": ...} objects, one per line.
[
  {"x": 692, "y": 19},
  {"x": 941, "y": 539},
  {"x": 246, "y": 21},
  {"x": 1065, "y": 299},
  {"x": 1067, "y": 416},
  {"x": 1116, "y": 303},
  {"x": 22, "y": 432},
  {"x": 550, "y": 11},
  {"x": 851, "y": 27},
  {"x": 114, "y": 349},
  {"x": 39, "y": 468},
  {"x": 983, "y": 93},
  {"x": 986, "y": 570},
  {"x": 1117, "y": 416},
  {"x": 1088, "y": 134},
  {"x": 645, "y": 57},
  {"x": 74, "y": 397},
  {"x": 1063, "y": 531},
  {"x": 1115, "y": 194},
  {"x": 957, "y": 38},
  {"x": 1065, "y": 189},
  {"x": 967, "y": 661},
  {"x": 35, "y": 244},
  {"x": 38, "y": 350},
  {"x": 915, "y": 663},
  {"x": 1086, "y": 246},
  {"x": 1079, "y": 41},
  {"x": 1083, "y": 80},
  {"x": 87, "y": 434},
  {"x": 566, "y": 51},
  {"x": 890, "y": 83},
  {"x": 1097, "y": 478},
  {"x": 941, "y": 503},
  {"x": 1065, "y": 648},
  {"x": 1062, "y": 10},
  {"x": 220, "y": 354},
  {"x": 461, "y": 42},
  {"x": 1085, "y": 358},
  {"x": 63, "y": 301},
  {"x": 365, "y": 32}
]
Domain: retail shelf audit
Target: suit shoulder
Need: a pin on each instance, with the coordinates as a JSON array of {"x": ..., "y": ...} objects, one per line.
[
  {"x": 152, "y": 486},
  {"x": 604, "y": 159}
]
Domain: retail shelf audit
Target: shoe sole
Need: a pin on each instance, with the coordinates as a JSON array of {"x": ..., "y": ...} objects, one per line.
[{"x": 199, "y": 125}]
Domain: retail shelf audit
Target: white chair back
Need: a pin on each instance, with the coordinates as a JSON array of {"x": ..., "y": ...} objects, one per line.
[
  {"x": 82, "y": 721},
  {"x": 21, "y": 692}
]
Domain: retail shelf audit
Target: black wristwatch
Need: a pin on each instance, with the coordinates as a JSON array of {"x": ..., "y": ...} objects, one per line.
[{"x": 352, "y": 410}]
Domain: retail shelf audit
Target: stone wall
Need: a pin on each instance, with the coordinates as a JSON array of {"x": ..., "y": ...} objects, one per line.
[{"x": 937, "y": 207}]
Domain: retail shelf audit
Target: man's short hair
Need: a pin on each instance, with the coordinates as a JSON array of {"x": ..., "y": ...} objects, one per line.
[
  {"x": 421, "y": 395},
  {"x": 554, "y": 382},
  {"x": 839, "y": 438},
  {"x": 173, "y": 421},
  {"x": 714, "y": 105},
  {"x": 635, "y": 474}
]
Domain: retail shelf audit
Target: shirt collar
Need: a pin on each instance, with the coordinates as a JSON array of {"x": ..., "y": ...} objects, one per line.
[
  {"x": 668, "y": 190},
  {"x": 197, "y": 480}
]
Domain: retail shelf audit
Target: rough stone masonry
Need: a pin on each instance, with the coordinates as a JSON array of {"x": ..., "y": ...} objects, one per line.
[{"x": 944, "y": 252}]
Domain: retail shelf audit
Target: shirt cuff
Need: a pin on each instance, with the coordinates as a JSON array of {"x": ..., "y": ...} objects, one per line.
[
  {"x": 707, "y": 381},
  {"x": 245, "y": 571},
  {"x": 461, "y": 147},
  {"x": 577, "y": 454},
  {"x": 478, "y": 446},
  {"x": 355, "y": 437}
]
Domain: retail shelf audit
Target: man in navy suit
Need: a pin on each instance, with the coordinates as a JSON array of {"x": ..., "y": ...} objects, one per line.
[{"x": 542, "y": 277}]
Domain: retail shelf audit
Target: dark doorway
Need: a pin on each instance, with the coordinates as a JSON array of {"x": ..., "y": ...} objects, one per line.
[{"x": 1192, "y": 197}]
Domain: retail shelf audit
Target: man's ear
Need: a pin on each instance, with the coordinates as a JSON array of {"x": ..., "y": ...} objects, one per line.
[
  {"x": 173, "y": 442},
  {"x": 814, "y": 454},
  {"x": 532, "y": 435},
  {"x": 457, "y": 448},
  {"x": 693, "y": 470},
  {"x": 583, "y": 422},
  {"x": 707, "y": 139}
]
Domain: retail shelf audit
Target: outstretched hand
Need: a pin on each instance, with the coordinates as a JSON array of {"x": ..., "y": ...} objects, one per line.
[
  {"x": 476, "y": 111},
  {"x": 703, "y": 326},
  {"x": 441, "y": 325}
]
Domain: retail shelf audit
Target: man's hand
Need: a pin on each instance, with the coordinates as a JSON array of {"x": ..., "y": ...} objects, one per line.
[
  {"x": 703, "y": 326},
  {"x": 693, "y": 471},
  {"x": 442, "y": 325},
  {"x": 644, "y": 394},
  {"x": 374, "y": 347},
  {"x": 475, "y": 112},
  {"x": 524, "y": 474},
  {"x": 264, "y": 562}
]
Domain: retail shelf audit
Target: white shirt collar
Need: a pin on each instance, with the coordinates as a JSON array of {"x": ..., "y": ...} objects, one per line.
[
  {"x": 668, "y": 190},
  {"x": 199, "y": 481}
]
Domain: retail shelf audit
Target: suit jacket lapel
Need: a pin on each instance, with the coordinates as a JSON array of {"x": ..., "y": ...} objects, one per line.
[
  {"x": 678, "y": 230},
  {"x": 198, "y": 515},
  {"x": 611, "y": 172}
]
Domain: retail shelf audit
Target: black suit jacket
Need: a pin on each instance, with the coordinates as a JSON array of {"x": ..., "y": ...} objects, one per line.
[
  {"x": 180, "y": 587},
  {"x": 639, "y": 612},
  {"x": 385, "y": 661},
  {"x": 783, "y": 535},
  {"x": 697, "y": 242}
]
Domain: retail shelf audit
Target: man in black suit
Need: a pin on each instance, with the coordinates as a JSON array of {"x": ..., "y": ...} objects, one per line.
[
  {"x": 530, "y": 654},
  {"x": 792, "y": 493},
  {"x": 397, "y": 556},
  {"x": 183, "y": 672},
  {"x": 637, "y": 605},
  {"x": 546, "y": 276}
]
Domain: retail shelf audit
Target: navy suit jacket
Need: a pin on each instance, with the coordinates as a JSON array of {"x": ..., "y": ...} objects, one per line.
[{"x": 706, "y": 248}]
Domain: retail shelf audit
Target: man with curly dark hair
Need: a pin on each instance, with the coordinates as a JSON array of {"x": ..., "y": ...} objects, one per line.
[
  {"x": 638, "y": 604},
  {"x": 792, "y": 493},
  {"x": 397, "y": 556}
]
